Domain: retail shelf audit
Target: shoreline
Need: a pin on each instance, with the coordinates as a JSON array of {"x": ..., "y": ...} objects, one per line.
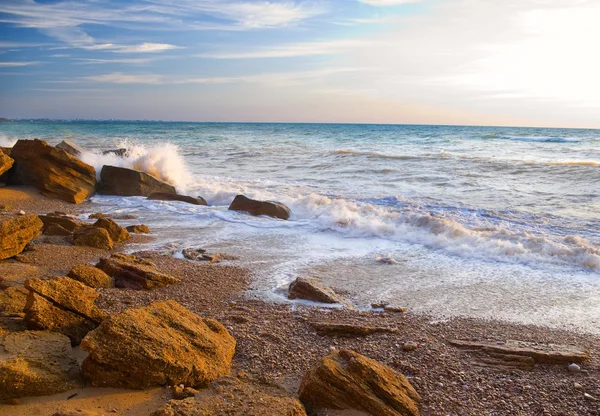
[{"x": 278, "y": 342}]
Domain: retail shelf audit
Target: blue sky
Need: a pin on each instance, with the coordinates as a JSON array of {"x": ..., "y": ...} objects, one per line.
[{"x": 515, "y": 62}]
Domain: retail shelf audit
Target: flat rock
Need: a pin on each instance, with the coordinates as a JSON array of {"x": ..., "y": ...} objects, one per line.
[
  {"x": 128, "y": 182},
  {"x": 16, "y": 231},
  {"x": 12, "y": 302},
  {"x": 345, "y": 379},
  {"x": 232, "y": 396},
  {"x": 311, "y": 289},
  {"x": 91, "y": 236},
  {"x": 164, "y": 196},
  {"x": 138, "y": 229},
  {"x": 163, "y": 343},
  {"x": 541, "y": 353},
  {"x": 6, "y": 162},
  {"x": 68, "y": 223},
  {"x": 91, "y": 276},
  {"x": 70, "y": 147},
  {"x": 134, "y": 273},
  {"x": 116, "y": 232},
  {"x": 255, "y": 207},
  {"x": 53, "y": 171},
  {"x": 349, "y": 330},
  {"x": 36, "y": 364}
]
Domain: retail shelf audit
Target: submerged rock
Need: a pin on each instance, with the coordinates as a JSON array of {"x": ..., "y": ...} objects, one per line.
[
  {"x": 134, "y": 273},
  {"x": 163, "y": 343},
  {"x": 128, "y": 182},
  {"x": 93, "y": 237},
  {"x": 163, "y": 196},
  {"x": 53, "y": 171},
  {"x": 311, "y": 289},
  {"x": 16, "y": 232},
  {"x": 91, "y": 276},
  {"x": 254, "y": 207},
  {"x": 116, "y": 232},
  {"x": 36, "y": 364},
  {"x": 345, "y": 379}
]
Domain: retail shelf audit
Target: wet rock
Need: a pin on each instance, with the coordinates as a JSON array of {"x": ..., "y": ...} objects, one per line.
[
  {"x": 386, "y": 260},
  {"x": 118, "y": 152},
  {"x": 6, "y": 162},
  {"x": 233, "y": 396},
  {"x": 12, "y": 302},
  {"x": 70, "y": 147},
  {"x": 129, "y": 182},
  {"x": 163, "y": 196},
  {"x": 347, "y": 380},
  {"x": 91, "y": 276},
  {"x": 199, "y": 254},
  {"x": 254, "y": 207},
  {"x": 36, "y": 364},
  {"x": 16, "y": 232},
  {"x": 311, "y": 289},
  {"x": 90, "y": 236},
  {"x": 349, "y": 330},
  {"x": 134, "y": 273},
  {"x": 53, "y": 171},
  {"x": 138, "y": 229},
  {"x": 163, "y": 343},
  {"x": 394, "y": 309},
  {"x": 116, "y": 232},
  {"x": 68, "y": 223},
  {"x": 55, "y": 229}
]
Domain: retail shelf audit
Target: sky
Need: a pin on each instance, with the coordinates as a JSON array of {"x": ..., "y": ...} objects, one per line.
[{"x": 467, "y": 62}]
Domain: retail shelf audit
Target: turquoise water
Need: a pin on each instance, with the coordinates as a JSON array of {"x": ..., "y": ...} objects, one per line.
[{"x": 481, "y": 221}]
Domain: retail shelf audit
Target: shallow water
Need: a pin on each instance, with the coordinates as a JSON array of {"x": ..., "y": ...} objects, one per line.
[{"x": 482, "y": 221}]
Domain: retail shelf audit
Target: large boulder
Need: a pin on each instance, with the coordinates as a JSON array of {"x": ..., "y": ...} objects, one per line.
[
  {"x": 131, "y": 272},
  {"x": 116, "y": 232},
  {"x": 163, "y": 343},
  {"x": 163, "y": 196},
  {"x": 311, "y": 289},
  {"x": 93, "y": 237},
  {"x": 6, "y": 162},
  {"x": 70, "y": 147},
  {"x": 254, "y": 207},
  {"x": 128, "y": 182},
  {"x": 16, "y": 231},
  {"x": 12, "y": 302},
  {"x": 91, "y": 276},
  {"x": 345, "y": 379},
  {"x": 53, "y": 171},
  {"x": 62, "y": 305},
  {"x": 36, "y": 363},
  {"x": 233, "y": 396}
]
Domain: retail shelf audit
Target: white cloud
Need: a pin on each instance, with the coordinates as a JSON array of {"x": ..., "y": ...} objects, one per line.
[
  {"x": 16, "y": 64},
  {"x": 93, "y": 61},
  {"x": 120, "y": 78},
  {"x": 146, "y": 48},
  {"x": 389, "y": 2},
  {"x": 286, "y": 51}
]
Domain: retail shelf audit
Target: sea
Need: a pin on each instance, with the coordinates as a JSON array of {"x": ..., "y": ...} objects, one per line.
[{"x": 486, "y": 222}]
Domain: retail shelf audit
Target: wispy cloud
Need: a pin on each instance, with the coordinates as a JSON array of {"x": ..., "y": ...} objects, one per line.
[
  {"x": 389, "y": 2},
  {"x": 121, "y": 78},
  {"x": 17, "y": 64},
  {"x": 286, "y": 51},
  {"x": 94, "y": 61},
  {"x": 8, "y": 45},
  {"x": 146, "y": 48}
]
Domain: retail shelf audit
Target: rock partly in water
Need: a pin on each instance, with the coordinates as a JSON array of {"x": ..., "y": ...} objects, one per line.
[
  {"x": 131, "y": 272},
  {"x": 199, "y": 254},
  {"x": 345, "y": 379},
  {"x": 70, "y": 147},
  {"x": 233, "y": 396},
  {"x": 122, "y": 152},
  {"x": 163, "y": 343},
  {"x": 35, "y": 364},
  {"x": 311, "y": 289},
  {"x": 254, "y": 207},
  {"x": 53, "y": 171},
  {"x": 67, "y": 222},
  {"x": 128, "y": 182},
  {"x": 116, "y": 232},
  {"x": 6, "y": 162},
  {"x": 90, "y": 236},
  {"x": 91, "y": 276},
  {"x": 16, "y": 232},
  {"x": 138, "y": 229},
  {"x": 163, "y": 196}
]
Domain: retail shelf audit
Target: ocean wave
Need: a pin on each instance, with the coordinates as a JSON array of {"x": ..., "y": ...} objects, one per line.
[
  {"x": 350, "y": 152},
  {"x": 539, "y": 139},
  {"x": 6, "y": 141}
]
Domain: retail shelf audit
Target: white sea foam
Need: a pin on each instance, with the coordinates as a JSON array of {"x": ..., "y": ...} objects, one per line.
[{"x": 7, "y": 141}]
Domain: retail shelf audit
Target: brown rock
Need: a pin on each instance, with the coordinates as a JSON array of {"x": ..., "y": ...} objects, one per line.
[
  {"x": 16, "y": 232},
  {"x": 138, "y": 229},
  {"x": 394, "y": 308},
  {"x": 180, "y": 392},
  {"x": 70, "y": 147},
  {"x": 349, "y": 330},
  {"x": 11, "y": 325},
  {"x": 116, "y": 232},
  {"x": 68, "y": 223},
  {"x": 12, "y": 302},
  {"x": 254, "y": 207},
  {"x": 163, "y": 343},
  {"x": 232, "y": 396},
  {"x": 128, "y": 182},
  {"x": 6, "y": 162},
  {"x": 199, "y": 254},
  {"x": 119, "y": 152},
  {"x": 36, "y": 364},
  {"x": 91, "y": 276},
  {"x": 55, "y": 229},
  {"x": 134, "y": 273},
  {"x": 345, "y": 379},
  {"x": 93, "y": 237},
  {"x": 311, "y": 289},
  {"x": 163, "y": 196},
  {"x": 53, "y": 171}
]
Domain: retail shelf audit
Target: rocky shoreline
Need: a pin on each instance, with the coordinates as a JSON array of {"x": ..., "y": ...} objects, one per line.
[{"x": 87, "y": 330}]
